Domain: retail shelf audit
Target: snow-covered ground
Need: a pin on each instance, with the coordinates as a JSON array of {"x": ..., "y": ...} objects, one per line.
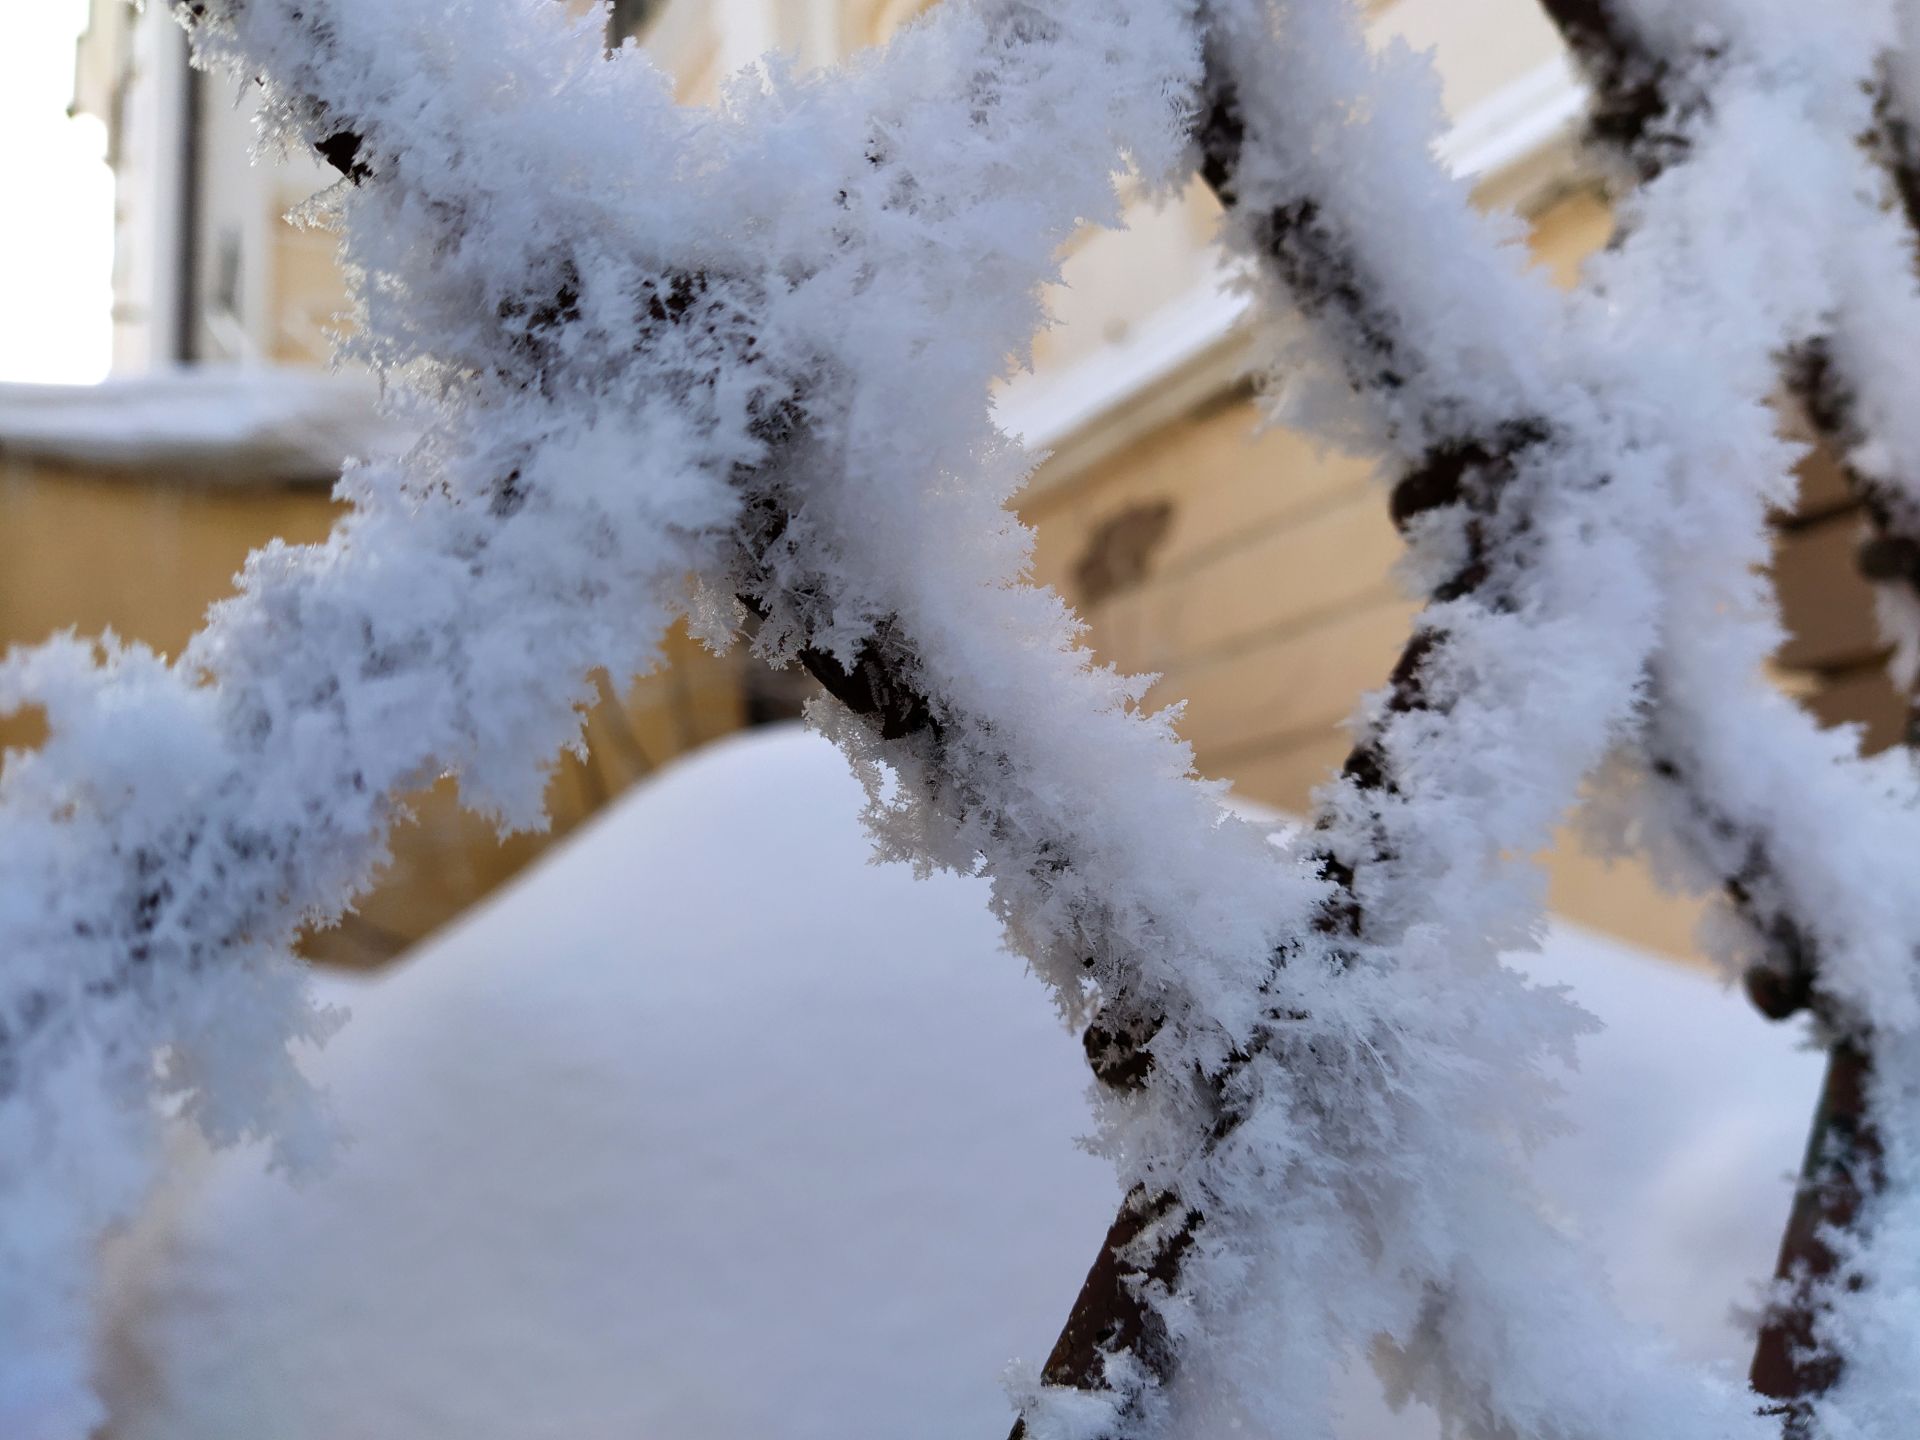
[{"x": 709, "y": 1129}]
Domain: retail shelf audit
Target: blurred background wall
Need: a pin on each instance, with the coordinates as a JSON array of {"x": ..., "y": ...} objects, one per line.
[{"x": 1251, "y": 571}]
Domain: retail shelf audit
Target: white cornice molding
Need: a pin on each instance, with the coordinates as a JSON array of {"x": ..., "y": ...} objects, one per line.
[
  {"x": 1167, "y": 365},
  {"x": 1535, "y": 114},
  {"x": 1520, "y": 147}
]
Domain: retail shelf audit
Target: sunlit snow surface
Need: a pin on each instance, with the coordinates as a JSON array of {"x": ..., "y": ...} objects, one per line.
[{"x": 642, "y": 1153}]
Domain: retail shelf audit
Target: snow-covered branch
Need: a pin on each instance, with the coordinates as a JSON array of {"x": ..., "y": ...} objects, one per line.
[
  {"x": 1805, "y": 840},
  {"x": 1537, "y": 482},
  {"x": 752, "y": 346},
  {"x": 635, "y": 333},
  {"x": 1647, "y": 98}
]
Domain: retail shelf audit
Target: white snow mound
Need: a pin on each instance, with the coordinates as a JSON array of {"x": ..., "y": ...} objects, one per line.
[{"x": 709, "y": 1129}]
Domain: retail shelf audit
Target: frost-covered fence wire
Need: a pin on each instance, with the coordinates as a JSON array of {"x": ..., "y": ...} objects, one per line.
[{"x": 1711, "y": 109}]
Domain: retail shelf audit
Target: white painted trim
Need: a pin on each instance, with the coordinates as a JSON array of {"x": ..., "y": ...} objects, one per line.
[
  {"x": 1520, "y": 146},
  {"x": 1049, "y": 410},
  {"x": 1539, "y": 110}
]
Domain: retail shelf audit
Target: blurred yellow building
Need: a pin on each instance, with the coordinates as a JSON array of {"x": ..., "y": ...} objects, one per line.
[{"x": 1252, "y": 572}]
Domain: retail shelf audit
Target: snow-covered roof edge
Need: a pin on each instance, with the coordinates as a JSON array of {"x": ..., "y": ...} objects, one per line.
[
  {"x": 1521, "y": 146},
  {"x": 220, "y": 425}
]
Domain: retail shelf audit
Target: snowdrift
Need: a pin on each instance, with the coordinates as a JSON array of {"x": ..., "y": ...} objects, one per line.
[{"x": 710, "y": 1129}]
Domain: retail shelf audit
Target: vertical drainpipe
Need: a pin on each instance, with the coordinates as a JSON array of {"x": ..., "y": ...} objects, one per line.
[
  {"x": 155, "y": 186},
  {"x": 186, "y": 315}
]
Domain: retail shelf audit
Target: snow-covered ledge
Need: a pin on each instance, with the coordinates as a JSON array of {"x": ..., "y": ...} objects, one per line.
[
  {"x": 1521, "y": 148},
  {"x": 253, "y": 425}
]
